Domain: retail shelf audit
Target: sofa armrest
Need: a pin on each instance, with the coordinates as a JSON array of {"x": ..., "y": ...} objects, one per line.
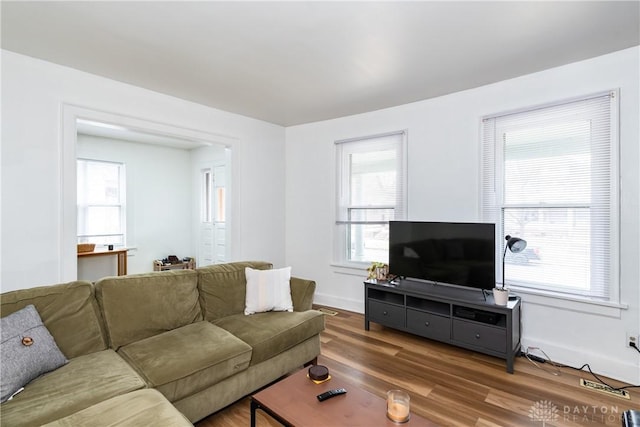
[{"x": 302, "y": 293}]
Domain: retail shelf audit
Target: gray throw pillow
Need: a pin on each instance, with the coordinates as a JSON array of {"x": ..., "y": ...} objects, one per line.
[{"x": 28, "y": 350}]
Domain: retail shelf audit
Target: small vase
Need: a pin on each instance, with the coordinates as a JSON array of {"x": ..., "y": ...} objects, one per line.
[{"x": 500, "y": 296}]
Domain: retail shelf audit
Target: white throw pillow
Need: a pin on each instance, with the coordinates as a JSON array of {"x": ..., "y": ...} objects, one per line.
[{"x": 268, "y": 290}]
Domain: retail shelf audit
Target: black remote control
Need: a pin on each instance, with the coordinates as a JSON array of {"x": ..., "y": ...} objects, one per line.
[{"x": 329, "y": 394}]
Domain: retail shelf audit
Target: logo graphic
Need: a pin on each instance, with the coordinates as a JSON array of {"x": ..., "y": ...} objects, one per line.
[{"x": 544, "y": 411}]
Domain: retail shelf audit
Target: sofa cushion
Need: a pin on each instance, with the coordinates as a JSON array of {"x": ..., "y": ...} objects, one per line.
[
  {"x": 223, "y": 288},
  {"x": 138, "y": 408},
  {"x": 269, "y": 334},
  {"x": 187, "y": 360},
  {"x": 83, "y": 382},
  {"x": 140, "y": 306},
  {"x": 69, "y": 311},
  {"x": 268, "y": 290},
  {"x": 28, "y": 351}
]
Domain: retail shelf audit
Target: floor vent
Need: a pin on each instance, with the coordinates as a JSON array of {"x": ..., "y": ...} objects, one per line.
[
  {"x": 327, "y": 311},
  {"x": 604, "y": 389}
]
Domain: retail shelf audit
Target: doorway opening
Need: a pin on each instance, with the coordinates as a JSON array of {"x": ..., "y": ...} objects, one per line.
[{"x": 163, "y": 198}]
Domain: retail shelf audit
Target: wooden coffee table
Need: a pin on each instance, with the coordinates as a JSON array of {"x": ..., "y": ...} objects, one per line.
[{"x": 292, "y": 401}]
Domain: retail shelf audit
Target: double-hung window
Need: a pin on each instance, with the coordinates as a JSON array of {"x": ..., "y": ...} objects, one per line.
[
  {"x": 101, "y": 202},
  {"x": 371, "y": 191},
  {"x": 550, "y": 177}
]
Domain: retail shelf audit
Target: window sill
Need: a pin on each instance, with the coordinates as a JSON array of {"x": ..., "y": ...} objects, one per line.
[
  {"x": 564, "y": 302},
  {"x": 350, "y": 269}
]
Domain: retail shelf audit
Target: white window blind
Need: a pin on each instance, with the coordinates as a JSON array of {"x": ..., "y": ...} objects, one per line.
[
  {"x": 550, "y": 177},
  {"x": 371, "y": 192},
  {"x": 101, "y": 202}
]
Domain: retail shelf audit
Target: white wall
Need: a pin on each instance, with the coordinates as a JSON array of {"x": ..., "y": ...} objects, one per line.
[
  {"x": 159, "y": 199},
  {"x": 34, "y": 94},
  {"x": 443, "y": 148},
  {"x": 444, "y": 153}
]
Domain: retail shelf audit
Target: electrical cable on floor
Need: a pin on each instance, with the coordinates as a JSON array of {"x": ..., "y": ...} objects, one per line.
[{"x": 538, "y": 360}]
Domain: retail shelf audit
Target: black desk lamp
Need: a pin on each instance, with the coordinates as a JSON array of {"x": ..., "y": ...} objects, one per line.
[{"x": 515, "y": 245}]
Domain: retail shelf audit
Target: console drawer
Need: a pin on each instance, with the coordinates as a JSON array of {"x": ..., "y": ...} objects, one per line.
[
  {"x": 429, "y": 325},
  {"x": 478, "y": 335},
  {"x": 386, "y": 314}
]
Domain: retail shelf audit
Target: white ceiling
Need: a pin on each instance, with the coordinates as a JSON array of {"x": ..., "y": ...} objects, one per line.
[{"x": 296, "y": 62}]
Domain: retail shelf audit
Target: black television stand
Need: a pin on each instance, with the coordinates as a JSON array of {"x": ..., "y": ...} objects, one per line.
[{"x": 457, "y": 316}]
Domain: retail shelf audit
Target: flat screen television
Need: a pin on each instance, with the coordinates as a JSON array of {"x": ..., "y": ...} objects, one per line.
[{"x": 450, "y": 253}]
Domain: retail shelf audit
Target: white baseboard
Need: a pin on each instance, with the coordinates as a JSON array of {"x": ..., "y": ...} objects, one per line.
[{"x": 341, "y": 303}]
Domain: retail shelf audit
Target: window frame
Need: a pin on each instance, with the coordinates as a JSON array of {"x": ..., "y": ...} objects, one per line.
[
  {"x": 493, "y": 205},
  {"x": 341, "y": 252},
  {"x": 122, "y": 205}
]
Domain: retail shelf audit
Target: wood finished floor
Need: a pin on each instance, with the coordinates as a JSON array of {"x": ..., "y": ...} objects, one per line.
[{"x": 448, "y": 385}]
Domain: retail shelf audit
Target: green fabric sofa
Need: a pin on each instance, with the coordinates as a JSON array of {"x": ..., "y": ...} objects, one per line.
[{"x": 181, "y": 333}]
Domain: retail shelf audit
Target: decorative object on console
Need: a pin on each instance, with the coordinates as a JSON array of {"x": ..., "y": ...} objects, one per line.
[
  {"x": 515, "y": 245},
  {"x": 378, "y": 271}
]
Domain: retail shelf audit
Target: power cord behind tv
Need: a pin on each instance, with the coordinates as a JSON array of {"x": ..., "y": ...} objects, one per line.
[{"x": 536, "y": 360}]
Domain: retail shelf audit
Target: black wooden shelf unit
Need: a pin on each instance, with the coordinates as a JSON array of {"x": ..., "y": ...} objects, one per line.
[{"x": 457, "y": 316}]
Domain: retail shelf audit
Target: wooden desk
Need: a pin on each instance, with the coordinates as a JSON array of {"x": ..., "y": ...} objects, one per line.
[{"x": 120, "y": 253}]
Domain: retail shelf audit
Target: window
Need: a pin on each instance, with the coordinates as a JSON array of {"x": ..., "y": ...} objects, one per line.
[
  {"x": 101, "y": 202},
  {"x": 549, "y": 177},
  {"x": 371, "y": 192},
  {"x": 207, "y": 199},
  {"x": 219, "y": 187},
  {"x": 220, "y": 203},
  {"x": 212, "y": 199}
]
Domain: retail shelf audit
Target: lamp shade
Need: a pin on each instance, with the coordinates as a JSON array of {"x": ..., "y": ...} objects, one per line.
[{"x": 515, "y": 244}]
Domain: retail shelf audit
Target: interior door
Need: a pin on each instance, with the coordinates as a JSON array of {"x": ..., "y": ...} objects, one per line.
[
  {"x": 206, "y": 230},
  {"x": 219, "y": 216},
  {"x": 212, "y": 244}
]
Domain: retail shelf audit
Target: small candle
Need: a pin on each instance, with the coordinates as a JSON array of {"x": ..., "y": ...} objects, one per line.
[{"x": 398, "y": 408}]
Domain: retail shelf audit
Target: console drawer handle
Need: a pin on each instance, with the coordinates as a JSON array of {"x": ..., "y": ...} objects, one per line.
[
  {"x": 384, "y": 313},
  {"x": 477, "y": 336},
  {"x": 426, "y": 323}
]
